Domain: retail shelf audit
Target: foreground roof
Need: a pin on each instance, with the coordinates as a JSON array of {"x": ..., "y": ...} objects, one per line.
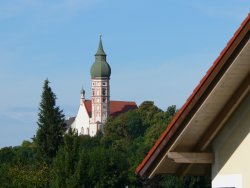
[
  {"x": 116, "y": 107},
  {"x": 199, "y": 120}
]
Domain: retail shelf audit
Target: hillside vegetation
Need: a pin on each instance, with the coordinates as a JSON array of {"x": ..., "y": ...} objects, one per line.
[{"x": 106, "y": 160}]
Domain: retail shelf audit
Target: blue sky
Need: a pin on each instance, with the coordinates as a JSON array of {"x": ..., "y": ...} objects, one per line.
[{"x": 158, "y": 50}]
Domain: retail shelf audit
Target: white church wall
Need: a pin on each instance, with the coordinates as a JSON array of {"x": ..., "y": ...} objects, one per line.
[
  {"x": 92, "y": 129},
  {"x": 82, "y": 121}
]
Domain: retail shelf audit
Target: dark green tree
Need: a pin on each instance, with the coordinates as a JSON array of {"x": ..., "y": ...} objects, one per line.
[
  {"x": 126, "y": 126},
  {"x": 51, "y": 125}
]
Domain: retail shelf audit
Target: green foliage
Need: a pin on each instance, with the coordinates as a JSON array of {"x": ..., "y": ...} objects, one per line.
[
  {"x": 196, "y": 182},
  {"x": 65, "y": 163},
  {"x": 19, "y": 167},
  {"x": 107, "y": 160},
  {"x": 5, "y": 177},
  {"x": 84, "y": 162},
  {"x": 6, "y": 155},
  {"x": 51, "y": 125},
  {"x": 107, "y": 168},
  {"x": 26, "y": 176},
  {"x": 127, "y": 126}
]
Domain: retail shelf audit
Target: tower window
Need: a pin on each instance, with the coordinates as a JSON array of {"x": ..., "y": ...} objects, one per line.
[
  {"x": 103, "y": 91},
  {"x": 104, "y": 99},
  {"x": 103, "y": 83}
]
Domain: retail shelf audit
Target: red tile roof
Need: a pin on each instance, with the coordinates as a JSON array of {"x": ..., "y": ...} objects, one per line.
[
  {"x": 166, "y": 134},
  {"x": 116, "y": 107},
  {"x": 88, "y": 106}
]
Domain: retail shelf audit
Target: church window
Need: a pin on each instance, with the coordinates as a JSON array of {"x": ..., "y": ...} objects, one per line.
[
  {"x": 93, "y": 83},
  {"x": 82, "y": 130},
  {"x": 104, "y": 99},
  {"x": 93, "y": 93},
  {"x": 103, "y": 83},
  {"x": 87, "y": 131}
]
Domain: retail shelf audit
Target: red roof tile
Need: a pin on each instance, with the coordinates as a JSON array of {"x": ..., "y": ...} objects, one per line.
[
  {"x": 116, "y": 107},
  {"x": 191, "y": 98}
]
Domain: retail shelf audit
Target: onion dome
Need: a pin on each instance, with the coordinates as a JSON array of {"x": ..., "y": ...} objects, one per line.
[{"x": 100, "y": 67}]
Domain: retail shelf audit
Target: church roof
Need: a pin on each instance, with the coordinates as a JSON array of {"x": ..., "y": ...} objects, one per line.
[
  {"x": 184, "y": 120},
  {"x": 116, "y": 107}
]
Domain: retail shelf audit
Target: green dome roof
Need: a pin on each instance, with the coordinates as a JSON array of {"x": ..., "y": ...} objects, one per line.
[{"x": 100, "y": 67}]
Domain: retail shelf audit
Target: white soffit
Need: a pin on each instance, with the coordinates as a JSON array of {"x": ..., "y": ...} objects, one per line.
[{"x": 214, "y": 102}]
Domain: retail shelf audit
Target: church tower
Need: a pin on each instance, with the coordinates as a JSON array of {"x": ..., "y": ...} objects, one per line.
[
  {"x": 92, "y": 114},
  {"x": 100, "y": 75},
  {"x": 82, "y": 98}
]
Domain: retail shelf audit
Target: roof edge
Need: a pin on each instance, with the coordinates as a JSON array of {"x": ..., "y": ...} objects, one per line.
[{"x": 191, "y": 97}]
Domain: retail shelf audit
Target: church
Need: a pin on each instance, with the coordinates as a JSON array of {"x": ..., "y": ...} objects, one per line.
[{"x": 92, "y": 114}]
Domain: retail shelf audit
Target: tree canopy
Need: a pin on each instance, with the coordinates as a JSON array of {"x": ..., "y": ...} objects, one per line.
[{"x": 55, "y": 159}]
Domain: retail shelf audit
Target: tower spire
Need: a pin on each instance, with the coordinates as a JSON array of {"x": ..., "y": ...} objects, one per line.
[
  {"x": 100, "y": 51},
  {"x": 82, "y": 95}
]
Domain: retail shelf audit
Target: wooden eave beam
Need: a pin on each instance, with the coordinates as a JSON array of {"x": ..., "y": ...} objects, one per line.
[{"x": 191, "y": 158}]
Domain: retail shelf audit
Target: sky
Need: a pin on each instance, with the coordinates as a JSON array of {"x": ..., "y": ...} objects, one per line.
[{"x": 157, "y": 50}]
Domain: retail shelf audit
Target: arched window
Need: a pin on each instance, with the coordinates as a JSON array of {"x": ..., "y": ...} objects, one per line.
[{"x": 82, "y": 130}]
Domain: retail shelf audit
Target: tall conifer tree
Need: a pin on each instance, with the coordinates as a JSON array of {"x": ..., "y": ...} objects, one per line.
[{"x": 51, "y": 124}]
